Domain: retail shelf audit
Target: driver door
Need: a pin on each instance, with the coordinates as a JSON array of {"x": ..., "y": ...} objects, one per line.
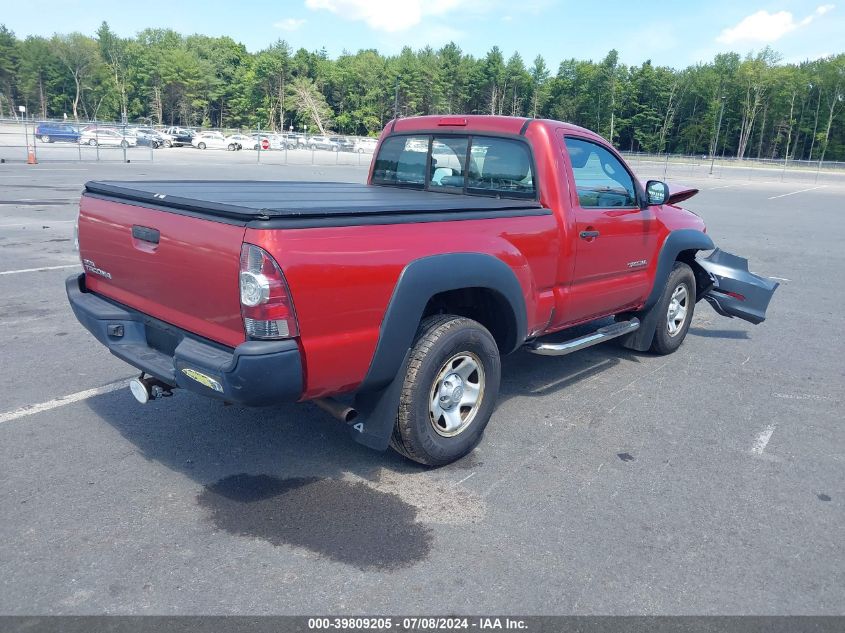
[{"x": 615, "y": 238}]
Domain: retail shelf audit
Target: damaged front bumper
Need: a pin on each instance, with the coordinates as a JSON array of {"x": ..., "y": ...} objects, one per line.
[{"x": 736, "y": 292}]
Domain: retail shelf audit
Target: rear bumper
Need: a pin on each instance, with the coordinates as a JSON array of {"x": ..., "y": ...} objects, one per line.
[{"x": 255, "y": 373}]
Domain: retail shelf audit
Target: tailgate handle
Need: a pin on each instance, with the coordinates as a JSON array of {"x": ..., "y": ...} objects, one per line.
[{"x": 146, "y": 234}]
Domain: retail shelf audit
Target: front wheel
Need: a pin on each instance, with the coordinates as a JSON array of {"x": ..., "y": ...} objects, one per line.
[
  {"x": 45, "y": 138},
  {"x": 675, "y": 309},
  {"x": 125, "y": 144},
  {"x": 231, "y": 147},
  {"x": 201, "y": 145},
  {"x": 449, "y": 391},
  {"x": 93, "y": 142}
]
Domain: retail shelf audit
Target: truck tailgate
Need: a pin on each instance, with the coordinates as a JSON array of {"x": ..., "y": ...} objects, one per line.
[{"x": 180, "y": 269}]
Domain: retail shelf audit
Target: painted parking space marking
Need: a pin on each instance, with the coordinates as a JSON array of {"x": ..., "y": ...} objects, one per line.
[
  {"x": 41, "y": 222},
  {"x": 762, "y": 440},
  {"x": 792, "y": 193},
  {"x": 37, "y": 270},
  {"x": 23, "y": 412}
]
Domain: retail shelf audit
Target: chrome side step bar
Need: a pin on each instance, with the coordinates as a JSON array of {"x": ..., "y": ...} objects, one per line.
[{"x": 601, "y": 335}]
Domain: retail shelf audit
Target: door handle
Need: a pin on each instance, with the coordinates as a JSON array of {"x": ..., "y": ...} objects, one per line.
[
  {"x": 146, "y": 234},
  {"x": 588, "y": 235}
]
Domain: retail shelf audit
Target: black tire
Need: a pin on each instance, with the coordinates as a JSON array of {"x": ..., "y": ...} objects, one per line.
[
  {"x": 440, "y": 339},
  {"x": 200, "y": 145},
  {"x": 666, "y": 342},
  {"x": 45, "y": 138},
  {"x": 124, "y": 144},
  {"x": 92, "y": 142}
]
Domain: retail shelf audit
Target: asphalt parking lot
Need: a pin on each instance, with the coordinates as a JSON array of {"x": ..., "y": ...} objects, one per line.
[{"x": 608, "y": 482}]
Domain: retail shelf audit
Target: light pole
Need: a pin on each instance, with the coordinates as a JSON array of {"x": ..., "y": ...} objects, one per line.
[{"x": 716, "y": 142}]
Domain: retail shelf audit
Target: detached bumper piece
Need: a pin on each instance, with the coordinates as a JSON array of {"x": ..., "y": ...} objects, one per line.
[
  {"x": 736, "y": 292},
  {"x": 255, "y": 373}
]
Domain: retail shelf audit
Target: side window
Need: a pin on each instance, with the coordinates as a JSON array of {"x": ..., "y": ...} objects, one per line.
[
  {"x": 401, "y": 161},
  {"x": 500, "y": 166},
  {"x": 448, "y": 162},
  {"x": 601, "y": 180}
]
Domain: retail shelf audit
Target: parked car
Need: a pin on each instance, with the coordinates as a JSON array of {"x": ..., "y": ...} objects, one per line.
[
  {"x": 57, "y": 132},
  {"x": 149, "y": 137},
  {"x": 322, "y": 142},
  {"x": 343, "y": 143},
  {"x": 215, "y": 140},
  {"x": 296, "y": 141},
  {"x": 243, "y": 141},
  {"x": 535, "y": 227},
  {"x": 365, "y": 145},
  {"x": 107, "y": 137},
  {"x": 179, "y": 136}
]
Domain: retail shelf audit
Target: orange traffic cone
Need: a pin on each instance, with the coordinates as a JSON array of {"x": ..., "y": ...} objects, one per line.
[{"x": 30, "y": 156}]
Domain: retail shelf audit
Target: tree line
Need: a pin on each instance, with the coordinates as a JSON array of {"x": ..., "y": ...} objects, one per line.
[{"x": 755, "y": 105}]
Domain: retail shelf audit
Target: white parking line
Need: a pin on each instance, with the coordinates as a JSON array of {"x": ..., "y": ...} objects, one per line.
[
  {"x": 41, "y": 222},
  {"x": 60, "y": 402},
  {"x": 37, "y": 270},
  {"x": 762, "y": 440},
  {"x": 792, "y": 193}
]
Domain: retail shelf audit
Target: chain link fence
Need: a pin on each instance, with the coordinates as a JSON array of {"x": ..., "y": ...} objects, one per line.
[
  {"x": 62, "y": 140},
  {"x": 680, "y": 167}
]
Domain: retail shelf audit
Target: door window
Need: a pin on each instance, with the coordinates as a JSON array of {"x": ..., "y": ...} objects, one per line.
[{"x": 601, "y": 180}]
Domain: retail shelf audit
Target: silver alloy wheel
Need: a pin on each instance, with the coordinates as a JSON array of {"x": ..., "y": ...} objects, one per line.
[
  {"x": 456, "y": 394},
  {"x": 676, "y": 315}
]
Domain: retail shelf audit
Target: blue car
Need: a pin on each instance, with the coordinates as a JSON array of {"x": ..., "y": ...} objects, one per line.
[{"x": 55, "y": 132}]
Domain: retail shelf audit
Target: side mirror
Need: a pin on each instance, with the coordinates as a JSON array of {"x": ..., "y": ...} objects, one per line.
[{"x": 656, "y": 192}]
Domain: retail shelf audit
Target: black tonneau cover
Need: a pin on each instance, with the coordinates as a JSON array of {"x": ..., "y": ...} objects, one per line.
[{"x": 249, "y": 200}]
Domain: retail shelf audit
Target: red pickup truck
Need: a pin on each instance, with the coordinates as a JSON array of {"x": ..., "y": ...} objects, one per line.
[{"x": 389, "y": 304}]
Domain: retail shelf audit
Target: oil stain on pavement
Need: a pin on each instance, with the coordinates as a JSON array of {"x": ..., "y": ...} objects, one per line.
[{"x": 349, "y": 522}]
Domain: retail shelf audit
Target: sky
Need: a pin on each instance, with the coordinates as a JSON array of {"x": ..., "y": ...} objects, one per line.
[{"x": 668, "y": 33}]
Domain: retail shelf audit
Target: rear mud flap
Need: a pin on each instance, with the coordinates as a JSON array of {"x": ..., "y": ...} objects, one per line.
[{"x": 736, "y": 292}]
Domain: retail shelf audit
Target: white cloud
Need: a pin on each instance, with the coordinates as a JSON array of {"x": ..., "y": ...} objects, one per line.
[
  {"x": 765, "y": 27},
  {"x": 289, "y": 24},
  {"x": 387, "y": 15}
]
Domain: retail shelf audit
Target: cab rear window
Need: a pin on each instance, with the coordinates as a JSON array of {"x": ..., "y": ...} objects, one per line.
[{"x": 480, "y": 165}]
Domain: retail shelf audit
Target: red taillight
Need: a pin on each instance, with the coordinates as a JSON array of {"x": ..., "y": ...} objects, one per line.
[{"x": 266, "y": 305}]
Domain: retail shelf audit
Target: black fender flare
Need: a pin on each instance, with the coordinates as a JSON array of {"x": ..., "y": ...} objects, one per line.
[
  {"x": 377, "y": 399},
  {"x": 675, "y": 243},
  {"x": 419, "y": 281}
]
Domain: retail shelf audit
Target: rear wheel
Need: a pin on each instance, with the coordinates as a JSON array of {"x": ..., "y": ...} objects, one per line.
[
  {"x": 45, "y": 138},
  {"x": 93, "y": 142},
  {"x": 449, "y": 391},
  {"x": 675, "y": 309},
  {"x": 125, "y": 144},
  {"x": 168, "y": 143},
  {"x": 231, "y": 147},
  {"x": 201, "y": 145}
]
